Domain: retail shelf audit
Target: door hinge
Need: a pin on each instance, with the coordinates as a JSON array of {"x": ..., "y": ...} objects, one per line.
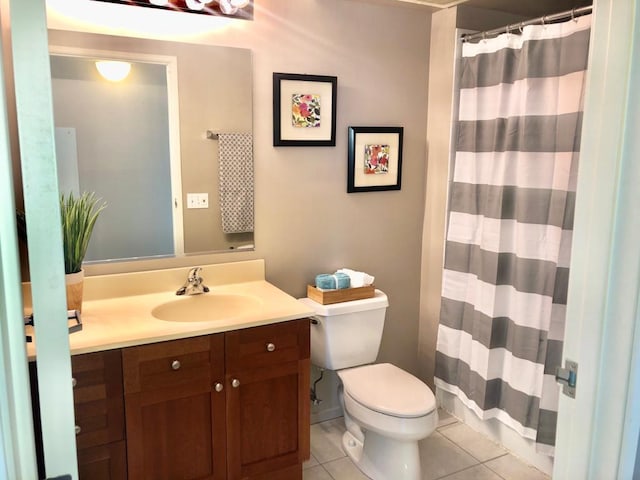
[{"x": 568, "y": 377}]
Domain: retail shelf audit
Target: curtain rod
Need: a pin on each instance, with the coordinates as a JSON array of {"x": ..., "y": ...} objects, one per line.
[{"x": 576, "y": 12}]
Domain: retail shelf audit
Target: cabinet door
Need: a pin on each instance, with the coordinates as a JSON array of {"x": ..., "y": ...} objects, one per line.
[
  {"x": 99, "y": 416},
  {"x": 98, "y": 398},
  {"x": 175, "y": 418},
  {"x": 268, "y": 401},
  {"x": 103, "y": 462}
]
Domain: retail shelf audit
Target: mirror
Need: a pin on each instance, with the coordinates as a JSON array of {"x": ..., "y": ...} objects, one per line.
[{"x": 141, "y": 144}]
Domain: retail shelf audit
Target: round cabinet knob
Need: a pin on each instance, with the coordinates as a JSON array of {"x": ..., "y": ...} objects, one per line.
[
  {"x": 270, "y": 347},
  {"x": 74, "y": 382},
  {"x": 78, "y": 429},
  {"x": 235, "y": 383},
  {"x": 175, "y": 365},
  {"x": 218, "y": 387}
]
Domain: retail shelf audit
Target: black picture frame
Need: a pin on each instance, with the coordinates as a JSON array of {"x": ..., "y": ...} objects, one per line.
[
  {"x": 374, "y": 159},
  {"x": 294, "y": 127}
]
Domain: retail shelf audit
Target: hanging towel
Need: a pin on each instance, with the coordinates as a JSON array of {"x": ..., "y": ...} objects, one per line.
[{"x": 236, "y": 182}]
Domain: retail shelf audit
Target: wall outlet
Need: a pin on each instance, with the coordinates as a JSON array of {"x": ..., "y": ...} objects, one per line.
[
  {"x": 203, "y": 200},
  {"x": 197, "y": 200}
]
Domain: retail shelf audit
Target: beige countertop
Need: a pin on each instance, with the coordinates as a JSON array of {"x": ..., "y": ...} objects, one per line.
[{"x": 123, "y": 321}]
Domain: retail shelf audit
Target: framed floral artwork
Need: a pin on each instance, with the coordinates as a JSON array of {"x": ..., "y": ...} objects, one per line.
[
  {"x": 374, "y": 159},
  {"x": 304, "y": 110}
]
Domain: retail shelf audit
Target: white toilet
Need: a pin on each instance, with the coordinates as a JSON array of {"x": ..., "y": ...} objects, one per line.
[{"x": 386, "y": 410}]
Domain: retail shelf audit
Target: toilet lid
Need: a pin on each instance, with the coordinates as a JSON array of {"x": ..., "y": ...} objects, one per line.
[{"x": 387, "y": 389}]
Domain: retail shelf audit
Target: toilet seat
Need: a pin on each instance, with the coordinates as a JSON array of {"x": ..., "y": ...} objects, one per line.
[{"x": 388, "y": 390}]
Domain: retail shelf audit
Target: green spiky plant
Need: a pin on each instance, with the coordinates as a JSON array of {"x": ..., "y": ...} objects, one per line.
[{"x": 79, "y": 216}]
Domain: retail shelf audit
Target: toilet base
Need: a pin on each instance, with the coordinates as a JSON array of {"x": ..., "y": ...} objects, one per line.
[{"x": 382, "y": 458}]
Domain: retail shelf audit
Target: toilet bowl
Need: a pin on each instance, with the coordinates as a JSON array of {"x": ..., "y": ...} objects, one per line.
[{"x": 387, "y": 411}]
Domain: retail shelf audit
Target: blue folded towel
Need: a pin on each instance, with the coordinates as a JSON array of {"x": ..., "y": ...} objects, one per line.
[{"x": 327, "y": 281}]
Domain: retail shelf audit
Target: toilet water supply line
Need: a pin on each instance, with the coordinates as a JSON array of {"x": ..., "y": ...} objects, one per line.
[{"x": 314, "y": 398}]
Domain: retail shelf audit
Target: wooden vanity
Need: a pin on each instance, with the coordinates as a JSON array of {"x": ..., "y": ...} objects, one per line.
[{"x": 231, "y": 403}]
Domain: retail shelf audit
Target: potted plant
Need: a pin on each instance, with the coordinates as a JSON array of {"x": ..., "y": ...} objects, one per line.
[{"x": 79, "y": 215}]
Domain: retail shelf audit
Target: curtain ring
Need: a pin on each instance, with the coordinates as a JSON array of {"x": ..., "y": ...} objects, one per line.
[
  {"x": 508, "y": 29},
  {"x": 484, "y": 36},
  {"x": 521, "y": 26},
  {"x": 573, "y": 14},
  {"x": 542, "y": 20}
]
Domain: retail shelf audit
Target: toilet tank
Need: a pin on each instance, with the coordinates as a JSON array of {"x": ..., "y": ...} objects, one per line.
[{"x": 347, "y": 334}]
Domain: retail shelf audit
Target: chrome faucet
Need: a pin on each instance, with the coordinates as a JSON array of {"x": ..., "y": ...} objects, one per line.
[{"x": 193, "y": 285}]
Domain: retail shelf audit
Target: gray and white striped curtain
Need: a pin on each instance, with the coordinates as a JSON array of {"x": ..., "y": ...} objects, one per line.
[{"x": 511, "y": 208}]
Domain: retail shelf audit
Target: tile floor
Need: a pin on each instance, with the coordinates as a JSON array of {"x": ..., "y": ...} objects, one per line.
[{"x": 453, "y": 452}]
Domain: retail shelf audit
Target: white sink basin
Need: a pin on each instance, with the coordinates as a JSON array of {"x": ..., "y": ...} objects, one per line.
[{"x": 206, "y": 307}]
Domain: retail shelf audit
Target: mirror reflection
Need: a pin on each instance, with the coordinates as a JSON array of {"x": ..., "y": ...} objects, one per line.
[{"x": 141, "y": 144}]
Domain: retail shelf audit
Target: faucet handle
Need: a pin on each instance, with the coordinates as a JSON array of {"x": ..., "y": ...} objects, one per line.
[
  {"x": 193, "y": 285},
  {"x": 194, "y": 273}
]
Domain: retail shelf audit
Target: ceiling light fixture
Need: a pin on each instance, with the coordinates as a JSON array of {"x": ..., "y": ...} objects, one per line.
[
  {"x": 195, "y": 5},
  {"x": 227, "y": 8},
  {"x": 114, "y": 71}
]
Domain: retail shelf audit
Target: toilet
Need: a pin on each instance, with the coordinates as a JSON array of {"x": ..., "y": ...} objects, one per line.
[{"x": 386, "y": 410}]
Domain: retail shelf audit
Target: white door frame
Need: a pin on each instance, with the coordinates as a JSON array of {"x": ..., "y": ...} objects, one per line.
[
  {"x": 34, "y": 107},
  {"x": 17, "y": 450},
  {"x": 598, "y": 430}
]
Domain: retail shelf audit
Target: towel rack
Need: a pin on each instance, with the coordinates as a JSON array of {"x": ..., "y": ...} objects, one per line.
[{"x": 212, "y": 135}]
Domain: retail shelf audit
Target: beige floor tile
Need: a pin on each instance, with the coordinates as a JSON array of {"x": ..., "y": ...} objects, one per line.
[
  {"x": 445, "y": 418},
  {"x": 326, "y": 440},
  {"x": 316, "y": 473},
  {"x": 312, "y": 462},
  {"x": 440, "y": 457},
  {"x": 510, "y": 468},
  {"x": 479, "y": 472},
  {"x": 481, "y": 447},
  {"x": 344, "y": 469},
  {"x": 454, "y": 452}
]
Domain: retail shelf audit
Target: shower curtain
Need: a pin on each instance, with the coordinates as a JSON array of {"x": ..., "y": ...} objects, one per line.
[{"x": 508, "y": 243}]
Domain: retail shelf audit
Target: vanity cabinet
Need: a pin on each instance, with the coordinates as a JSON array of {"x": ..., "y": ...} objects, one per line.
[
  {"x": 233, "y": 405},
  {"x": 226, "y": 406}
]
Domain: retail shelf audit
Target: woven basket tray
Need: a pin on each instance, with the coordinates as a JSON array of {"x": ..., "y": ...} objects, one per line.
[{"x": 328, "y": 297}]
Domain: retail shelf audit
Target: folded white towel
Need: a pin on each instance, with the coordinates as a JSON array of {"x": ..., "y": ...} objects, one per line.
[{"x": 358, "y": 279}]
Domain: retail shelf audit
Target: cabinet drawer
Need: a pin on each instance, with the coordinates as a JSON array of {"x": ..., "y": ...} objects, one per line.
[
  {"x": 173, "y": 364},
  {"x": 98, "y": 398},
  {"x": 267, "y": 345}
]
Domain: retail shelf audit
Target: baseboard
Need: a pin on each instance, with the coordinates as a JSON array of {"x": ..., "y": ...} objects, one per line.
[{"x": 324, "y": 415}]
